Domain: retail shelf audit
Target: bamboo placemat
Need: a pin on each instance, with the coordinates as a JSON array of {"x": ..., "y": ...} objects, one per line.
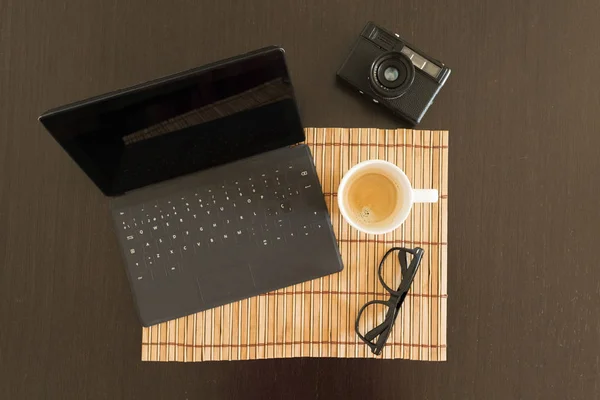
[{"x": 316, "y": 318}]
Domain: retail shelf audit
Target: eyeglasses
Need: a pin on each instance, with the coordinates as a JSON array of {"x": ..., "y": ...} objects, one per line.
[{"x": 376, "y": 337}]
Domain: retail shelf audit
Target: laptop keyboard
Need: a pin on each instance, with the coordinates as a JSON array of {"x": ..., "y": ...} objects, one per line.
[{"x": 166, "y": 236}]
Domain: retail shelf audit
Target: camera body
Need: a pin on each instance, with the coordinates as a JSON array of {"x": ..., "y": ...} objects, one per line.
[{"x": 393, "y": 73}]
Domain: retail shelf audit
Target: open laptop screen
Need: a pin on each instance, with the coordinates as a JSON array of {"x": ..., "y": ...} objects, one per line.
[{"x": 181, "y": 124}]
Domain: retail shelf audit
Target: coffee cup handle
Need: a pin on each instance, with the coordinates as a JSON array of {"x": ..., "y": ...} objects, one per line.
[{"x": 425, "y": 196}]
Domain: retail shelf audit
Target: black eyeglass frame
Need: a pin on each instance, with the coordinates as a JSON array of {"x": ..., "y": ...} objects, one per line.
[{"x": 383, "y": 330}]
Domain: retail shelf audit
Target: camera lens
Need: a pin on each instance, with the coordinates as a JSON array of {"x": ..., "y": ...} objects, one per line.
[{"x": 392, "y": 74}]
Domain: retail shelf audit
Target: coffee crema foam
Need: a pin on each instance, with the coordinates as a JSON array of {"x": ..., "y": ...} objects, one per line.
[{"x": 372, "y": 198}]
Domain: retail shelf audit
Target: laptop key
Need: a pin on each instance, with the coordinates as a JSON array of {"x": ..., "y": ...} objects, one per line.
[
  {"x": 264, "y": 242},
  {"x": 254, "y": 233},
  {"x": 305, "y": 230},
  {"x": 143, "y": 233},
  {"x": 278, "y": 238},
  {"x": 175, "y": 238},
  {"x": 173, "y": 254},
  {"x": 163, "y": 244},
  {"x": 135, "y": 257},
  {"x": 290, "y": 236},
  {"x": 268, "y": 182},
  {"x": 172, "y": 269},
  {"x": 131, "y": 238},
  {"x": 185, "y": 221},
  {"x": 186, "y": 236},
  {"x": 149, "y": 246},
  {"x": 187, "y": 253},
  {"x": 271, "y": 211},
  {"x": 214, "y": 242},
  {"x": 169, "y": 225},
  {"x": 142, "y": 277},
  {"x": 285, "y": 206},
  {"x": 242, "y": 236},
  {"x": 149, "y": 260},
  {"x": 202, "y": 228},
  {"x": 200, "y": 245},
  {"x": 316, "y": 226},
  {"x": 122, "y": 215},
  {"x": 282, "y": 224},
  {"x": 156, "y": 229}
]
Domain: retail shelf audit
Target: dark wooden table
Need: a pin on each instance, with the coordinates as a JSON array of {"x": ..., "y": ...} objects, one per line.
[{"x": 523, "y": 110}]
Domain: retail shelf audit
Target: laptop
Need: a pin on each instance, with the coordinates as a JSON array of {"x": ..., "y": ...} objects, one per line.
[{"x": 213, "y": 197}]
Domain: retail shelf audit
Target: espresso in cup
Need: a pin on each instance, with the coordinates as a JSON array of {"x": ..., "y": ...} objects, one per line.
[
  {"x": 376, "y": 196},
  {"x": 372, "y": 198}
]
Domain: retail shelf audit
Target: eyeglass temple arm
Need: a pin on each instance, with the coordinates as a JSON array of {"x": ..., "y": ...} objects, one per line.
[
  {"x": 390, "y": 316},
  {"x": 386, "y": 329},
  {"x": 409, "y": 270},
  {"x": 373, "y": 333}
]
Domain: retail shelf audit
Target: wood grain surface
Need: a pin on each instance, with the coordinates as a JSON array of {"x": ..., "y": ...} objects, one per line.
[{"x": 522, "y": 107}]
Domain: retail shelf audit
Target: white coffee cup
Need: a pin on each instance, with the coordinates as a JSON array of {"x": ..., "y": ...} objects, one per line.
[{"x": 406, "y": 194}]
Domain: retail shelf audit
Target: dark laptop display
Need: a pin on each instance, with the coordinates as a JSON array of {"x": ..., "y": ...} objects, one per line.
[
  {"x": 182, "y": 124},
  {"x": 213, "y": 198}
]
